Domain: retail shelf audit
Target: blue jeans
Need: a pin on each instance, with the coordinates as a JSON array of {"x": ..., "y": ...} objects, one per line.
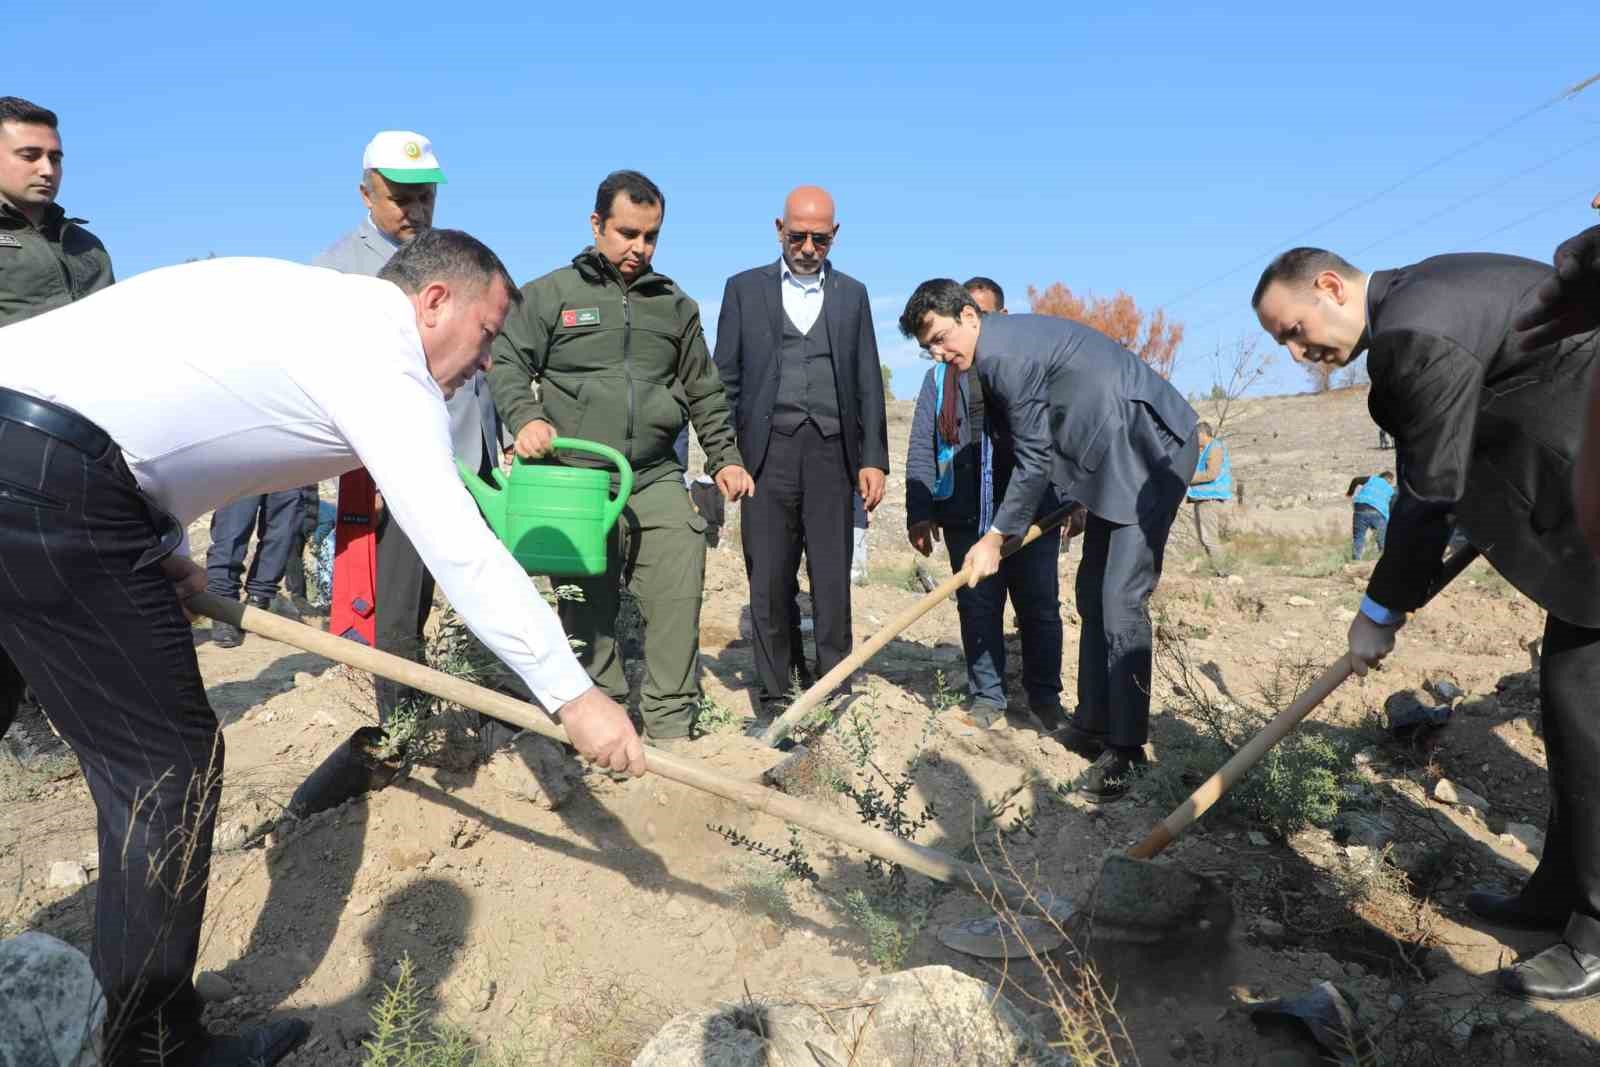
[
  {"x": 1030, "y": 577},
  {"x": 1366, "y": 518},
  {"x": 273, "y": 518}
]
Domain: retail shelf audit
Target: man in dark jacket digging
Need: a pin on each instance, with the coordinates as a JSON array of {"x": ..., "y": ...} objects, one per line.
[
  {"x": 1086, "y": 415},
  {"x": 1487, "y": 432}
]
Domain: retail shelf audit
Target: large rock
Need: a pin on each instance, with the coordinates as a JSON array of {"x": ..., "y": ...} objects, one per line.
[
  {"x": 929, "y": 1016},
  {"x": 51, "y": 1009}
]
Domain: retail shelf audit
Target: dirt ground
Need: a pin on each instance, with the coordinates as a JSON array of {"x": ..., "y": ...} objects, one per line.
[{"x": 568, "y": 936}]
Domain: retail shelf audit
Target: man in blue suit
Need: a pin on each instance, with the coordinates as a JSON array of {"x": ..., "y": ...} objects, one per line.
[{"x": 1086, "y": 415}]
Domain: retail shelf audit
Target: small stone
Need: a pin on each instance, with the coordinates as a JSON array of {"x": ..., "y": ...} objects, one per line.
[
  {"x": 67, "y": 874},
  {"x": 1396, "y": 1002},
  {"x": 1444, "y": 689},
  {"x": 676, "y": 910},
  {"x": 90, "y": 860},
  {"x": 1234, "y": 579},
  {"x": 1258, "y": 839},
  {"x": 1447, "y": 792},
  {"x": 1271, "y": 930},
  {"x": 303, "y": 678},
  {"x": 230, "y": 835},
  {"x": 405, "y": 857},
  {"x": 1298, "y": 601},
  {"x": 1527, "y": 835},
  {"x": 212, "y": 987},
  {"x": 1177, "y": 1048},
  {"x": 483, "y": 996}
]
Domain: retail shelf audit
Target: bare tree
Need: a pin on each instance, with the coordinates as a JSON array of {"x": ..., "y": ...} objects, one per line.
[{"x": 1235, "y": 370}]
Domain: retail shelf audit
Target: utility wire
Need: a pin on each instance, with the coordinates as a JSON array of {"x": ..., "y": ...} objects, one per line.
[
  {"x": 1464, "y": 201},
  {"x": 1294, "y": 239}
]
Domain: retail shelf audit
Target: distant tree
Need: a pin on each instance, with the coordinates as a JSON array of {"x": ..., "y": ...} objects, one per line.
[
  {"x": 1320, "y": 375},
  {"x": 1150, "y": 336},
  {"x": 1353, "y": 374},
  {"x": 888, "y": 381},
  {"x": 1235, "y": 369}
]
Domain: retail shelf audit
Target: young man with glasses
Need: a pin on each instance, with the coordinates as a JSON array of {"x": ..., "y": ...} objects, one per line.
[
  {"x": 799, "y": 360},
  {"x": 1087, "y": 417}
]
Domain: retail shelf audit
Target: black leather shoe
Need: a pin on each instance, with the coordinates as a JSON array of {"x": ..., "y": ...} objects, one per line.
[
  {"x": 1560, "y": 972},
  {"x": 225, "y": 634},
  {"x": 256, "y": 1046},
  {"x": 1109, "y": 777},
  {"x": 1075, "y": 739},
  {"x": 1509, "y": 909},
  {"x": 305, "y": 607},
  {"x": 278, "y": 607},
  {"x": 1049, "y": 716}
]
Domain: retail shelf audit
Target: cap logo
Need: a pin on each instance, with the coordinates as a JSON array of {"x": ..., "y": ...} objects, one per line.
[{"x": 412, "y": 150}]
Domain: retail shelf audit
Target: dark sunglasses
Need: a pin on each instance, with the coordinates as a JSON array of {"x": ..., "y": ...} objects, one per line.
[{"x": 798, "y": 240}]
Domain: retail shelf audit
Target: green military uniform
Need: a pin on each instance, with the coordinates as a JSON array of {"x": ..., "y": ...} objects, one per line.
[
  {"x": 626, "y": 364},
  {"x": 48, "y": 266}
]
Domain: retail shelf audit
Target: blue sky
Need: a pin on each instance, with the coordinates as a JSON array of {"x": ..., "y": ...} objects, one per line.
[{"x": 1152, "y": 148}]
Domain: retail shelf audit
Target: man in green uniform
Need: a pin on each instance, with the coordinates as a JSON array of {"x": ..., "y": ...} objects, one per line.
[
  {"x": 46, "y": 259},
  {"x": 608, "y": 350}
]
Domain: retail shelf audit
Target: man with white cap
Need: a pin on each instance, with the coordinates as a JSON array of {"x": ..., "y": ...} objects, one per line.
[{"x": 399, "y": 185}]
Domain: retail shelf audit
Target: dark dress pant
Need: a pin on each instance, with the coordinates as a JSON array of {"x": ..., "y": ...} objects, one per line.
[
  {"x": 804, "y": 500},
  {"x": 294, "y": 575},
  {"x": 1119, "y": 571},
  {"x": 405, "y": 598},
  {"x": 273, "y": 519},
  {"x": 91, "y": 623},
  {"x": 1030, "y": 576},
  {"x": 1568, "y": 876}
]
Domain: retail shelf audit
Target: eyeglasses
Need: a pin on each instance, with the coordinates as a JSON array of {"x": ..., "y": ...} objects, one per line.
[{"x": 798, "y": 240}]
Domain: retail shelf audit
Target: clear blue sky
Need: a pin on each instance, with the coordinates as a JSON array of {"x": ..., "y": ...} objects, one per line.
[{"x": 1150, "y": 149}]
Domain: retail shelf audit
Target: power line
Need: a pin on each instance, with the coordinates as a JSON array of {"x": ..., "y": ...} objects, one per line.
[
  {"x": 1464, "y": 201},
  {"x": 1454, "y": 154},
  {"x": 1565, "y": 201}
]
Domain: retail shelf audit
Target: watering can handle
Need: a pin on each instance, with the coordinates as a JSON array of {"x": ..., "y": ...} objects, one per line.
[{"x": 624, "y": 485}]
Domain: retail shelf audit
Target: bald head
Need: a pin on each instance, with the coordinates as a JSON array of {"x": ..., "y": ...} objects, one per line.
[{"x": 807, "y": 228}]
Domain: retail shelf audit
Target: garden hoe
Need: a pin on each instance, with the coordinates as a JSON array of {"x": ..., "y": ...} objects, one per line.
[
  {"x": 885, "y": 846},
  {"x": 1137, "y": 900}
]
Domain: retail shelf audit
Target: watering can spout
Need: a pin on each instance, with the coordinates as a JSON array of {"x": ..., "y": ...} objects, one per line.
[{"x": 491, "y": 499}]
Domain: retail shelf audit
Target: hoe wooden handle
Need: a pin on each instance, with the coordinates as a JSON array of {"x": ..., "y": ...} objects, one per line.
[
  {"x": 784, "y": 724},
  {"x": 1228, "y": 775},
  {"x": 884, "y": 845}
]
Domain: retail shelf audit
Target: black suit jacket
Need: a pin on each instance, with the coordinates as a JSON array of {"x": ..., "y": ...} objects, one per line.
[
  {"x": 1084, "y": 413},
  {"x": 1482, "y": 430},
  {"x": 749, "y": 343}
]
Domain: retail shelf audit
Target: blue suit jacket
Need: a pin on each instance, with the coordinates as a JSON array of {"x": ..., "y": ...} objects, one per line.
[{"x": 1084, "y": 413}]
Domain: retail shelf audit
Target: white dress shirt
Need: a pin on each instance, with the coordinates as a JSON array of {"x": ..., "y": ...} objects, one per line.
[
  {"x": 230, "y": 377},
  {"x": 802, "y": 296}
]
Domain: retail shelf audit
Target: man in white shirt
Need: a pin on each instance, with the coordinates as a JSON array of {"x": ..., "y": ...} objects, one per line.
[{"x": 122, "y": 419}]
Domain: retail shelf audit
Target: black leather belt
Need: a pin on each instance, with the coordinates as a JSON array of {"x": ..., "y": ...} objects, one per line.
[{"x": 63, "y": 424}]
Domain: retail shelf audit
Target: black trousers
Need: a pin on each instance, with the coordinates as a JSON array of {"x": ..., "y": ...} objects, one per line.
[
  {"x": 90, "y": 622},
  {"x": 405, "y": 597},
  {"x": 804, "y": 500},
  {"x": 294, "y": 575},
  {"x": 273, "y": 518},
  {"x": 1568, "y": 876},
  {"x": 1118, "y": 573}
]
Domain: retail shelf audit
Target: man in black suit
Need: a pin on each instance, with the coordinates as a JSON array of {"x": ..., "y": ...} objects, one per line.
[
  {"x": 1487, "y": 432},
  {"x": 799, "y": 363},
  {"x": 1085, "y": 414}
]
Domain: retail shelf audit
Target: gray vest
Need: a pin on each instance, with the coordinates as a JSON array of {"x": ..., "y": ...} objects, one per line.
[{"x": 806, "y": 388}]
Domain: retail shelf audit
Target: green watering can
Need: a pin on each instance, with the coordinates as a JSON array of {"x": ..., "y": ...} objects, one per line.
[{"x": 554, "y": 519}]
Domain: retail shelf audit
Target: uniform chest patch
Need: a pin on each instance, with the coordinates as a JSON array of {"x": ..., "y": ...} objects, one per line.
[
  {"x": 9, "y": 241},
  {"x": 580, "y": 317}
]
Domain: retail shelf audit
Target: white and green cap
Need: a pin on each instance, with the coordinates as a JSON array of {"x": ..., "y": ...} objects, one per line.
[{"x": 402, "y": 156}]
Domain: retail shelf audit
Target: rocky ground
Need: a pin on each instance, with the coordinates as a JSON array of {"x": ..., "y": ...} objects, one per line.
[{"x": 570, "y": 935}]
